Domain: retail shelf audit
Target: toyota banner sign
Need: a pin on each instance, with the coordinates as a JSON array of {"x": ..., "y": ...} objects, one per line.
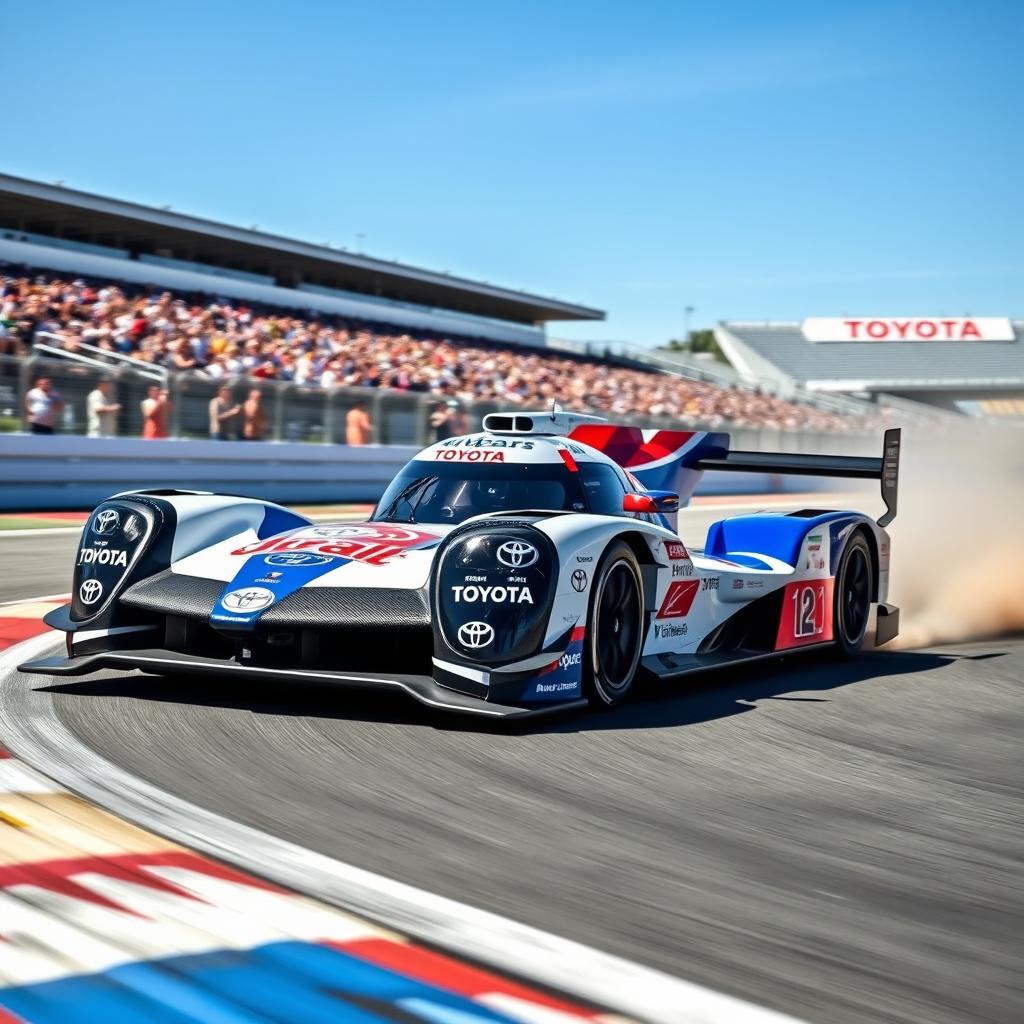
[{"x": 908, "y": 328}]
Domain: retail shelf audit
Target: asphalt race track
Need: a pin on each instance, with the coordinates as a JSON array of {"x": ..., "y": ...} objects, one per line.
[{"x": 841, "y": 842}]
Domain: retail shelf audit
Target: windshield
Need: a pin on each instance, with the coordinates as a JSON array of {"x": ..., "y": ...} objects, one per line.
[{"x": 425, "y": 492}]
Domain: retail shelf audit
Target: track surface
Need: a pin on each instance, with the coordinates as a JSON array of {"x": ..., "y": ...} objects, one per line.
[{"x": 840, "y": 842}]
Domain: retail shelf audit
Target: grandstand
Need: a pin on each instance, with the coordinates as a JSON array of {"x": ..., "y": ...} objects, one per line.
[
  {"x": 972, "y": 365},
  {"x": 57, "y": 228}
]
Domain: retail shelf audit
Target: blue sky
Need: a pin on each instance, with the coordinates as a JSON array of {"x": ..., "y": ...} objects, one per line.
[{"x": 752, "y": 160}]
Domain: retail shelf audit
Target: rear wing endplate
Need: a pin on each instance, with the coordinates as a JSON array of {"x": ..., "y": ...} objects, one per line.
[{"x": 886, "y": 469}]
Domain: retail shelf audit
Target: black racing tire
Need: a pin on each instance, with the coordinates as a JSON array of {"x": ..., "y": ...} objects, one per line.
[
  {"x": 852, "y": 600},
  {"x": 615, "y": 628}
]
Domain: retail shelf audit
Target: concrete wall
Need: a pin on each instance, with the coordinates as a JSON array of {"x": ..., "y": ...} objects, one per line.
[{"x": 70, "y": 472}]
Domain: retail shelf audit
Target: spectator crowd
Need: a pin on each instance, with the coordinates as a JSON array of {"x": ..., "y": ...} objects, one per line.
[{"x": 223, "y": 339}]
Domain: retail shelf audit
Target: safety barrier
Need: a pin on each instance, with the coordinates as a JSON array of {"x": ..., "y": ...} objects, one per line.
[
  {"x": 68, "y": 472},
  {"x": 64, "y": 472}
]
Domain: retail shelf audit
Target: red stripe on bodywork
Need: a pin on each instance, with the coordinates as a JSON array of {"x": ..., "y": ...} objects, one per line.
[
  {"x": 436, "y": 969},
  {"x": 627, "y": 446}
]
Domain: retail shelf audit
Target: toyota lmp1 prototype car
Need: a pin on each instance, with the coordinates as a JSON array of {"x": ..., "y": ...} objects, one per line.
[{"x": 528, "y": 567}]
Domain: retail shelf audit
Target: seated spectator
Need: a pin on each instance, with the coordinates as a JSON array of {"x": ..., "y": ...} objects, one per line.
[{"x": 226, "y": 338}]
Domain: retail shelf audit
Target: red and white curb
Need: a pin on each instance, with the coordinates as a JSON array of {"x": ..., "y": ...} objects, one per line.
[{"x": 116, "y": 895}]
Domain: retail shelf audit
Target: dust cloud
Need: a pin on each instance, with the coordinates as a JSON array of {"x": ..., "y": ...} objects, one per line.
[{"x": 957, "y": 569}]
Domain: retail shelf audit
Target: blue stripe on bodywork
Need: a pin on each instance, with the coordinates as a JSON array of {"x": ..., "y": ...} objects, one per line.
[
  {"x": 281, "y": 981},
  {"x": 280, "y": 573}
]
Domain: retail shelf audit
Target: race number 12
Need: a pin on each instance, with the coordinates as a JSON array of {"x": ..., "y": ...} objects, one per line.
[{"x": 806, "y": 614}]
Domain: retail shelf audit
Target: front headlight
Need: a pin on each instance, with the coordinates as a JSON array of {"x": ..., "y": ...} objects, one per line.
[{"x": 493, "y": 591}]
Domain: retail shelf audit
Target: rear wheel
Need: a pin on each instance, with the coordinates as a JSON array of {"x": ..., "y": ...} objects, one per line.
[
  {"x": 854, "y": 585},
  {"x": 615, "y": 628}
]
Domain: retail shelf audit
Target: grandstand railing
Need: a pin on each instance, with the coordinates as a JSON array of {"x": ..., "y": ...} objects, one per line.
[{"x": 311, "y": 415}]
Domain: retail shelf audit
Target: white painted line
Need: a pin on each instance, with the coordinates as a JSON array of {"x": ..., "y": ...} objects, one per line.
[
  {"x": 16, "y": 778},
  {"x": 33, "y": 731},
  {"x": 43, "y": 531},
  {"x": 35, "y": 600}
]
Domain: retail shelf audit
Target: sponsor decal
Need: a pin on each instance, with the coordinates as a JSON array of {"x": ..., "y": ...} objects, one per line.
[
  {"x": 710, "y": 582},
  {"x": 883, "y": 550},
  {"x": 678, "y": 599},
  {"x": 814, "y": 542},
  {"x": 670, "y": 629},
  {"x": 569, "y": 660},
  {"x": 517, "y": 554},
  {"x": 579, "y": 581},
  {"x": 755, "y": 584},
  {"x": 682, "y": 569},
  {"x": 372, "y": 544},
  {"x": 133, "y": 527},
  {"x": 806, "y": 614},
  {"x": 584, "y": 559},
  {"x": 475, "y": 634},
  {"x": 90, "y": 591},
  {"x": 103, "y": 556},
  {"x": 473, "y": 455},
  {"x": 475, "y": 579},
  {"x": 369, "y": 530},
  {"x": 248, "y": 599},
  {"x": 737, "y": 584},
  {"x": 676, "y": 550},
  {"x": 815, "y": 562},
  {"x": 486, "y": 442},
  {"x": 270, "y": 577},
  {"x": 106, "y": 522},
  {"x": 497, "y": 595},
  {"x": 297, "y": 558}
]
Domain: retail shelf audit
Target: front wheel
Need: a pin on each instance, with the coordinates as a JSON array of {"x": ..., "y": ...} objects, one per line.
[
  {"x": 852, "y": 596},
  {"x": 615, "y": 628}
]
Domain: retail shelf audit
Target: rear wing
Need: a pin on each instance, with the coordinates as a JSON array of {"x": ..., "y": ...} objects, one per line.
[{"x": 886, "y": 469}]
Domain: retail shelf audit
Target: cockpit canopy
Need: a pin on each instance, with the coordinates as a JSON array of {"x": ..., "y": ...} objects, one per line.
[{"x": 441, "y": 492}]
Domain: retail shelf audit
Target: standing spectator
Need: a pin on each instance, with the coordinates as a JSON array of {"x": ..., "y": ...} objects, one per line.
[
  {"x": 358, "y": 427},
  {"x": 254, "y": 418},
  {"x": 156, "y": 408},
  {"x": 42, "y": 403},
  {"x": 101, "y": 411},
  {"x": 223, "y": 415},
  {"x": 443, "y": 419}
]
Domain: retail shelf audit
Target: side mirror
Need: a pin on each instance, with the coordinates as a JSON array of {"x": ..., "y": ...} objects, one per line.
[{"x": 651, "y": 502}]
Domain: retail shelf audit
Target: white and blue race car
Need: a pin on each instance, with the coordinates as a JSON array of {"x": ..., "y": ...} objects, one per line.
[{"x": 529, "y": 567}]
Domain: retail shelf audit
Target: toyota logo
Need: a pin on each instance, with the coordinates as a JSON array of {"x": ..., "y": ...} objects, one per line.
[
  {"x": 251, "y": 599},
  {"x": 90, "y": 591},
  {"x": 106, "y": 522},
  {"x": 475, "y": 634},
  {"x": 579, "y": 581},
  {"x": 517, "y": 554},
  {"x": 297, "y": 558}
]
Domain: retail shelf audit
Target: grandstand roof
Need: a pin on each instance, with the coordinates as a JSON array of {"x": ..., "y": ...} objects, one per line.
[
  {"x": 779, "y": 352},
  {"x": 135, "y": 230}
]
